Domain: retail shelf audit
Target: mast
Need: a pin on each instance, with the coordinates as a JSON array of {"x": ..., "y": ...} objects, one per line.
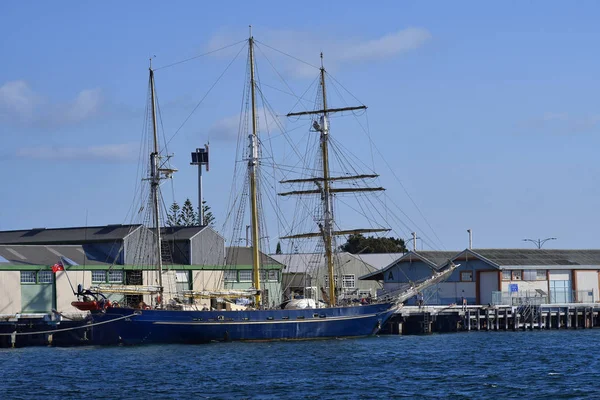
[
  {"x": 155, "y": 183},
  {"x": 326, "y": 231},
  {"x": 252, "y": 171},
  {"x": 327, "y": 216}
]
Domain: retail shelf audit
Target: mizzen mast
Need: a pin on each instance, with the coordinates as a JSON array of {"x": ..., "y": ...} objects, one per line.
[
  {"x": 252, "y": 171},
  {"x": 327, "y": 215},
  {"x": 324, "y": 186}
]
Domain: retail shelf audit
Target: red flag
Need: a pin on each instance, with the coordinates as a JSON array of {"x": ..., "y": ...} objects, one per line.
[{"x": 58, "y": 267}]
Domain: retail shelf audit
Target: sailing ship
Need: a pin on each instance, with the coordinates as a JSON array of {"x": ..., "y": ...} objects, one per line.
[{"x": 164, "y": 323}]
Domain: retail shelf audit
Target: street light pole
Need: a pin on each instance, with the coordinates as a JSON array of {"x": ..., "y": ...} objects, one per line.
[{"x": 539, "y": 242}]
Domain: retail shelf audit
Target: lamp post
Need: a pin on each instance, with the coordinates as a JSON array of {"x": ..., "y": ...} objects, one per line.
[
  {"x": 539, "y": 242},
  {"x": 414, "y": 239}
]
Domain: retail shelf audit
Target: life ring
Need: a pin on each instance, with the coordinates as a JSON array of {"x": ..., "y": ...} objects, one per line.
[{"x": 146, "y": 307}]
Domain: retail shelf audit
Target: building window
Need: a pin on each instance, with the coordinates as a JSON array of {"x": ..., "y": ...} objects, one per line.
[
  {"x": 335, "y": 280},
  {"x": 45, "y": 277},
  {"x": 506, "y": 275},
  {"x": 466, "y": 276},
  {"x": 245, "y": 276},
  {"x": 115, "y": 276},
  {"x": 230, "y": 276},
  {"x": 348, "y": 281},
  {"x": 534, "y": 275},
  {"x": 28, "y": 276},
  {"x": 529, "y": 275},
  {"x": 541, "y": 275},
  {"x": 98, "y": 276},
  {"x": 274, "y": 275},
  {"x": 181, "y": 276},
  {"x": 517, "y": 275},
  {"x": 34, "y": 277}
]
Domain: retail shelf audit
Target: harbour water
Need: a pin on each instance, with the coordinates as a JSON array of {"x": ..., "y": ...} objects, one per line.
[{"x": 475, "y": 365}]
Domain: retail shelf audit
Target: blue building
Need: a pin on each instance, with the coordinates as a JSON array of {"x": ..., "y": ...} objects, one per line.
[{"x": 498, "y": 276}]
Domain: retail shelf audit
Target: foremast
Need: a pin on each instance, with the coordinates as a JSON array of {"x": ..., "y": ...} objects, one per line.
[
  {"x": 154, "y": 184},
  {"x": 157, "y": 173},
  {"x": 324, "y": 188},
  {"x": 252, "y": 171}
]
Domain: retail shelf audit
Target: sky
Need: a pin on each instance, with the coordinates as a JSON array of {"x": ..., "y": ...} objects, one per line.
[{"x": 486, "y": 115}]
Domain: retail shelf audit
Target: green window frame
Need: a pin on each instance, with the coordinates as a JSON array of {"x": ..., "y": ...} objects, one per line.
[
  {"x": 37, "y": 277},
  {"x": 28, "y": 277},
  {"x": 99, "y": 276}
]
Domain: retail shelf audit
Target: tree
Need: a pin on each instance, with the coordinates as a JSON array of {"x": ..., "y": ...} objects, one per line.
[
  {"x": 188, "y": 215},
  {"x": 209, "y": 218},
  {"x": 174, "y": 215},
  {"x": 371, "y": 244},
  {"x": 278, "y": 248}
]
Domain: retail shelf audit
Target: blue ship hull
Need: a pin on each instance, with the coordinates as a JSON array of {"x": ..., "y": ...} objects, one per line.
[{"x": 128, "y": 326}]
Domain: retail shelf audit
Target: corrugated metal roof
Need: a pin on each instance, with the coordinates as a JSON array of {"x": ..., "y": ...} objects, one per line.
[
  {"x": 437, "y": 258},
  {"x": 181, "y": 232},
  {"x": 434, "y": 258},
  {"x": 88, "y": 234},
  {"x": 49, "y": 255},
  {"x": 379, "y": 260},
  {"x": 309, "y": 262},
  {"x": 532, "y": 257},
  {"x": 243, "y": 256}
]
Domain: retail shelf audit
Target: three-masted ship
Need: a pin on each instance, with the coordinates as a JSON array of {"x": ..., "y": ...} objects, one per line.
[{"x": 163, "y": 324}]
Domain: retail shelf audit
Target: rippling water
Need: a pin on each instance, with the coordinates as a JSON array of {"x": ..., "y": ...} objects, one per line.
[{"x": 476, "y": 365}]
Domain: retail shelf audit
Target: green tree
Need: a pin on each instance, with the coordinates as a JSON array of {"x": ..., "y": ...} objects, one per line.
[
  {"x": 209, "y": 218},
  {"x": 188, "y": 215},
  {"x": 278, "y": 248},
  {"x": 371, "y": 244},
  {"x": 174, "y": 215}
]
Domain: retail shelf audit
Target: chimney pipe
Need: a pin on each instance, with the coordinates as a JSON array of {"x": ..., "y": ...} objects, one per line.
[
  {"x": 470, "y": 238},
  {"x": 414, "y": 235}
]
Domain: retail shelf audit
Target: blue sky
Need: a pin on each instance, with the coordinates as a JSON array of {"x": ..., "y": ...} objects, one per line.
[{"x": 487, "y": 113}]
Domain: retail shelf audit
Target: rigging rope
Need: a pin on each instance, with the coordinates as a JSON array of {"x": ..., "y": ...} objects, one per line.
[
  {"x": 200, "y": 55},
  {"x": 206, "y": 94}
]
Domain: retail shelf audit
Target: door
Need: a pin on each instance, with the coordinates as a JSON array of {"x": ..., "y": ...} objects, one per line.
[
  {"x": 560, "y": 291},
  {"x": 488, "y": 283}
]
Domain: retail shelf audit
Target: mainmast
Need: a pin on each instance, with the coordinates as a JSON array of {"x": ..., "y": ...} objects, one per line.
[
  {"x": 252, "y": 171},
  {"x": 327, "y": 216},
  {"x": 324, "y": 187},
  {"x": 155, "y": 183}
]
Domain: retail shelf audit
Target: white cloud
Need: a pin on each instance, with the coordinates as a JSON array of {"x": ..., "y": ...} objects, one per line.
[
  {"x": 19, "y": 104},
  {"x": 307, "y": 46},
  {"x": 113, "y": 153},
  {"x": 227, "y": 129},
  {"x": 18, "y": 100},
  {"x": 388, "y": 45}
]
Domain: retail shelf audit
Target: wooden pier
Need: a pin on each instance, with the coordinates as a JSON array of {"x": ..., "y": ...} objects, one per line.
[{"x": 428, "y": 319}]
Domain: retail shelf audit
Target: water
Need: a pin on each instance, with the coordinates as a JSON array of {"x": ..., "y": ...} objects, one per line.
[{"x": 484, "y": 365}]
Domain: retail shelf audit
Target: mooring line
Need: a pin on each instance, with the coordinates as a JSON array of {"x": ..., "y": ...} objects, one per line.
[{"x": 67, "y": 329}]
